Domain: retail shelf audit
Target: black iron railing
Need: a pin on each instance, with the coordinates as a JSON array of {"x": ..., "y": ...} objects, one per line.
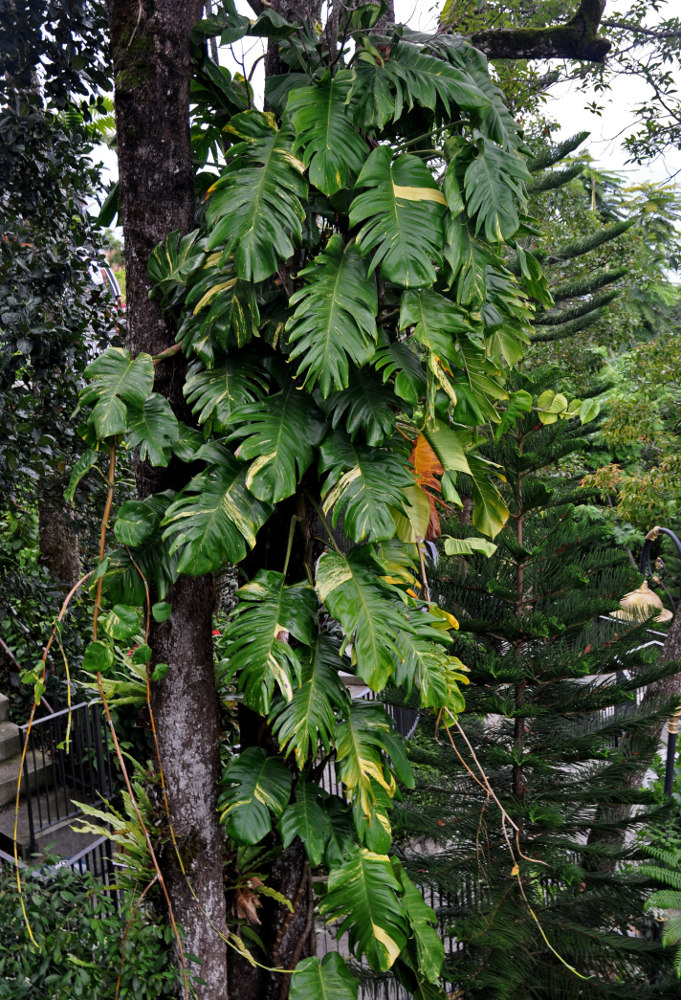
[{"x": 67, "y": 760}]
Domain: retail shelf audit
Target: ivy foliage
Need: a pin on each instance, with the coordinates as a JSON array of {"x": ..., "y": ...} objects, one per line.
[{"x": 344, "y": 299}]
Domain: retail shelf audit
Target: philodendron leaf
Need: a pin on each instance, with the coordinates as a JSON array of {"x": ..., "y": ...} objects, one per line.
[
  {"x": 403, "y": 213},
  {"x": 308, "y": 719},
  {"x": 98, "y": 657},
  {"x": 153, "y": 429},
  {"x": 363, "y": 895},
  {"x": 116, "y": 381},
  {"x": 255, "y": 211},
  {"x": 351, "y": 588},
  {"x": 307, "y": 818},
  {"x": 256, "y": 788},
  {"x": 260, "y": 654},
  {"x": 333, "y": 151},
  {"x": 323, "y": 979},
  {"x": 550, "y": 404},
  {"x": 277, "y": 436},
  {"x": 589, "y": 410},
  {"x": 363, "y": 484},
  {"x": 335, "y": 318},
  {"x": 422, "y": 926},
  {"x": 215, "y": 518}
]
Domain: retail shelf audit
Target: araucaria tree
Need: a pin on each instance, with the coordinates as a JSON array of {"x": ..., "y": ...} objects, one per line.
[{"x": 321, "y": 341}]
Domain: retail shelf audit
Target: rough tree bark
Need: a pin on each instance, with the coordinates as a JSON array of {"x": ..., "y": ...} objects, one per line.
[{"x": 152, "y": 66}]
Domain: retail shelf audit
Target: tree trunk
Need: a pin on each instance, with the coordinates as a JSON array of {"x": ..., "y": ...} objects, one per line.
[
  {"x": 152, "y": 64},
  {"x": 57, "y": 538}
]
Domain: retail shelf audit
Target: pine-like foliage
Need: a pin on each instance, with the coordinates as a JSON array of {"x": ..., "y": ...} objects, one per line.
[{"x": 553, "y": 908}]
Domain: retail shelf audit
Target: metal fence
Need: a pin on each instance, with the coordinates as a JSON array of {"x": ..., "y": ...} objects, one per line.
[{"x": 67, "y": 760}]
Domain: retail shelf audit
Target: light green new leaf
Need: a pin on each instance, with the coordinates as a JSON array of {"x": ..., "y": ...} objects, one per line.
[
  {"x": 351, "y": 588},
  {"x": 363, "y": 895},
  {"x": 259, "y": 653},
  {"x": 490, "y": 512},
  {"x": 335, "y": 317},
  {"x": 308, "y": 718},
  {"x": 116, "y": 382},
  {"x": 363, "y": 484},
  {"x": 278, "y": 434},
  {"x": 549, "y": 405},
  {"x": 468, "y": 546},
  {"x": 589, "y": 410},
  {"x": 214, "y": 394},
  {"x": 256, "y": 209},
  {"x": 257, "y": 788},
  {"x": 215, "y": 518},
  {"x": 435, "y": 319},
  {"x": 306, "y": 818},
  {"x": 153, "y": 429},
  {"x": 403, "y": 213},
  {"x": 423, "y": 926},
  {"x": 495, "y": 190},
  {"x": 323, "y": 979},
  {"x": 333, "y": 151},
  {"x": 122, "y": 622}
]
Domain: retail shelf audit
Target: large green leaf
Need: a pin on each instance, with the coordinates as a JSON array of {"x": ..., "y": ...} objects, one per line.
[
  {"x": 306, "y": 818},
  {"x": 362, "y": 484},
  {"x": 116, "y": 381},
  {"x": 333, "y": 151},
  {"x": 225, "y": 310},
  {"x": 435, "y": 320},
  {"x": 308, "y": 718},
  {"x": 426, "y": 665},
  {"x": 423, "y": 927},
  {"x": 363, "y": 895},
  {"x": 369, "y": 612},
  {"x": 335, "y": 317},
  {"x": 363, "y": 740},
  {"x": 255, "y": 788},
  {"x": 171, "y": 263},
  {"x": 256, "y": 210},
  {"x": 422, "y": 79},
  {"x": 278, "y": 435},
  {"x": 367, "y": 404},
  {"x": 214, "y": 394},
  {"x": 448, "y": 447},
  {"x": 258, "y": 648},
  {"x": 495, "y": 190},
  {"x": 323, "y": 979},
  {"x": 397, "y": 359},
  {"x": 153, "y": 429},
  {"x": 215, "y": 517},
  {"x": 403, "y": 213}
]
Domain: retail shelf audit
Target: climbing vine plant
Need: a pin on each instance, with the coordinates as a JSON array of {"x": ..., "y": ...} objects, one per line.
[{"x": 347, "y": 308}]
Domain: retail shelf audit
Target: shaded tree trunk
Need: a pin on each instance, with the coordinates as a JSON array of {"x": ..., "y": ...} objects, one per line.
[
  {"x": 152, "y": 64},
  {"x": 57, "y": 538}
]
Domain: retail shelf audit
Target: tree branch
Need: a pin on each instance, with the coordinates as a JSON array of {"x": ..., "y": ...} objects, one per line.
[{"x": 577, "y": 39}]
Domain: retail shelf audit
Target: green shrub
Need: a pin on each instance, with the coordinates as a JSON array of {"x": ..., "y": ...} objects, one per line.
[{"x": 79, "y": 932}]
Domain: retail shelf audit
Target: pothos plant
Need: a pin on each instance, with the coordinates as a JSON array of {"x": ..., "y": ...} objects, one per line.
[{"x": 347, "y": 312}]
